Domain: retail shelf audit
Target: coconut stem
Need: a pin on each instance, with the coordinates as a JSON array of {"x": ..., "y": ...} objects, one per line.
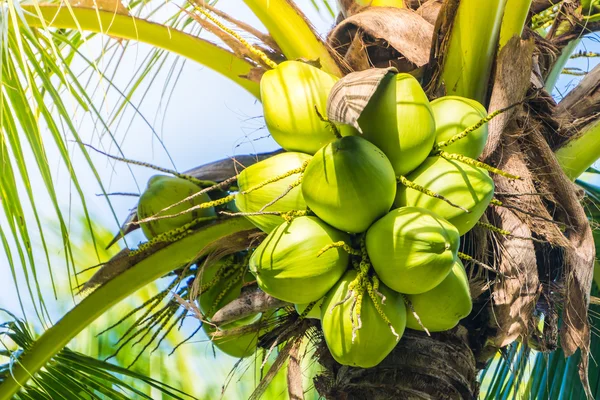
[
  {"x": 493, "y": 228},
  {"x": 221, "y": 273},
  {"x": 410, "y": 184},
  {"x": 256, "y": 52},
  {"x": 466, "y": 257},
  {"x": 376, "y": 289},
  {"x": 475, "y": 163},
  {"x": 332, "y": 126},
  {"x": 341, "y": 244},
  {"x": 357, "y": 305},
  {"x": 190, "y": 178},
  {"x": 298, "y": 182},
  {"x": 507, "y": 233},
  {"x": 375, "y": 300},
  {"x": 498, "y": 203},
  {"x": 208, "y": 204},
  {"x": 414, "y": 313},
  {"x": 219, "y": 185}
]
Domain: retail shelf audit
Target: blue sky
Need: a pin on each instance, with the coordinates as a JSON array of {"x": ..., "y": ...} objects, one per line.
[{"x": 205, "y": 118}]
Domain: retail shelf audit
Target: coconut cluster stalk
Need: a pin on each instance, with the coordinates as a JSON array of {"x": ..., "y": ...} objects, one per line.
[
  {"x": 281, "y": 17},
  {"x": 513, "y": 21},
  {"x": 473, "y": 45}
]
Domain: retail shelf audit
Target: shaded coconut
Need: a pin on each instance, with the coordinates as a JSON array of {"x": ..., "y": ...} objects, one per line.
[
  {"x": 291, "y": 94},
  {"x": 257, "y": 199},
  {"x": 287, "y": 264},
  {"x": 467, "y": 186},
  {"x": 228, "y": 288},
  {"x": 398, "y": 119},
  {"x": 375, "y": 339},
  {"x": 412, "y": 249},
  {"x": 454, "y": 114},
  {"x": 349, "y": 184},
  {"x": 163, "y": 191},
  {"x": 442, "y": 307}
]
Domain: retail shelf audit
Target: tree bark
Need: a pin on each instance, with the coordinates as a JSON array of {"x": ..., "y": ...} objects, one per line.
[{"x": 440, "y": 367}]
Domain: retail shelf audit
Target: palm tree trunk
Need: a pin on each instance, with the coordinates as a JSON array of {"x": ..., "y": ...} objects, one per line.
[{"x": 440, "y": 367}]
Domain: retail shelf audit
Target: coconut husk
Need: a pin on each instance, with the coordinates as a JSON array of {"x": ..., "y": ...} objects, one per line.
[
  {"x": 383, "y": 37},
  {"x": 430, "y": 10},
  {"x": 351, "y": 94}
]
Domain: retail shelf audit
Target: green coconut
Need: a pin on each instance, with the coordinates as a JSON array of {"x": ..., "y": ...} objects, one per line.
[
  {"x": 398, "y": 119},
  {"x": 289, "y": 95},
  {"x": 349, "y": 184},
  {"x": 412, "y": 249},
  {"x": 238, "y": 346},
  {"x": 163, "y": 191},
  {"x": 287, "y": 264},
  {"x": 314, "y": 313},
  {"x": 374, "y": 340},
  {"x": 442, "y": 307},
  {"x": 467, "y": 186},
  {"x": 454, "y": 114},
  {"x": 262, "y": 172},
  {"x": 228, "y": 287}
]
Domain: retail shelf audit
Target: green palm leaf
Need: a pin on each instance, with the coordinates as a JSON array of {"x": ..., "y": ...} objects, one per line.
[{"x": 72, "y": 375}]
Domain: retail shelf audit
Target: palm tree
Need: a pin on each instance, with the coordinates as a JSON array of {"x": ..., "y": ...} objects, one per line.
[{"x": 536, "y": 265}]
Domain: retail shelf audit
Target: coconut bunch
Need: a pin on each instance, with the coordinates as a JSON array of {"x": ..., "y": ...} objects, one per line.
[
  {"x": 364, "y": 219},
  {"x": 363, "y": 216}
]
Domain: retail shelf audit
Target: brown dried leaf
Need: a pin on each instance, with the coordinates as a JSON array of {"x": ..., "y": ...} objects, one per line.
[
  {"x": 515, "y": 294},
  {"x": 249, "y": 302},
  {"x": 511, "y": 82},
  {"x": 404, "y": 30},
  {"x": 294, "y": 372},
  {"x": 430, "y": 10},
  {"x": 275, "y": 367},
  {"x": 351, "y": 94}
]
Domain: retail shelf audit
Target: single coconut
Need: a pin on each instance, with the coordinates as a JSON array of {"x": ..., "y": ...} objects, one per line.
[
  {"x": 375, "y": 339},
  {"x": 442, "y": 307},
  {"x": 163, "y": 191},
  {"x": 453, "y": 115},
  {"x": 398, "y": 119},
  {"x": 412, "y": 249},
  {"x": 465, "y": 185},
  {"x": 263, "y": 171},
  {"x": 291, "y": 95},
  {"x": 288, "y": 264},
  {"x": 349, "y": 183}
]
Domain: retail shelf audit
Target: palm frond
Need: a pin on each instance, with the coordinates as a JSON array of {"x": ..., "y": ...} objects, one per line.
[
  {"x": 73, "y": 375},
  {"x": 129, "y": 272}
]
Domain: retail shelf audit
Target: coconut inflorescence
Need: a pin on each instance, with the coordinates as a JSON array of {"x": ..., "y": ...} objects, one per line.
[{"x": 364, "y": 229}]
